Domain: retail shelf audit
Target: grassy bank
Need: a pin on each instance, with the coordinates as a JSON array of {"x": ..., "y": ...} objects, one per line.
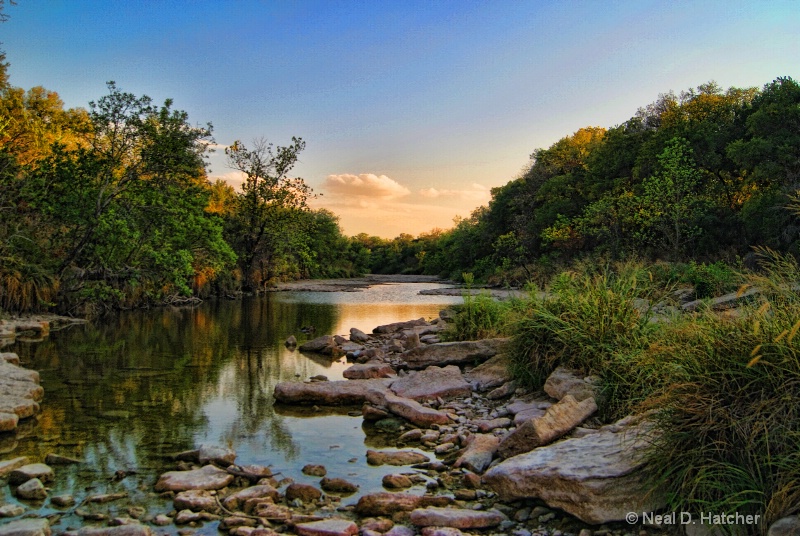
[{"x": 723, "y": 387}]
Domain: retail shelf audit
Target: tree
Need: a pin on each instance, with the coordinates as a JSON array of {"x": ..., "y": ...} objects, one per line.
[
  {"x": 671, "y": 202},
  {"x": 266, "y": 206}
]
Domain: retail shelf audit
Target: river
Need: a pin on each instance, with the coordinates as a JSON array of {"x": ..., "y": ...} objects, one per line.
[{"x": 127, "y": 392}]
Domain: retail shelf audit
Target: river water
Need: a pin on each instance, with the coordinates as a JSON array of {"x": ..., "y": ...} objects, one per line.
[{"x": 125, "y": 393}]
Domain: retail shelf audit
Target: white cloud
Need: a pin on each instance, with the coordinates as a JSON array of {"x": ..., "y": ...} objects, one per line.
[
  {"x": 234, "y": 178},
  {"x": 365, "y": 186},
  {"x": 476, "y": 192}
]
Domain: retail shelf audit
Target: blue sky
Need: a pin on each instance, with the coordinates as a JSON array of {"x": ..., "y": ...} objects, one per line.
[{"x": 411, "y": 111}]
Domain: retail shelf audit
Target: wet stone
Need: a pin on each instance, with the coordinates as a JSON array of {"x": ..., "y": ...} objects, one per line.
[
  {"x": 27, "y": 472},
  {"x": 315, "y": 470},
  {"x": 11, "y": 510},
  {"x": 32, "y": 490}
]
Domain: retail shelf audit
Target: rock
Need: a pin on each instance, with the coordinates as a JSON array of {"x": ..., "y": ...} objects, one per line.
[
  {"x": 21, "y": 389},
  {"x": 396, "y": 482},
  {"x": 312, "y": 469},
  {"x": 337, "y": 485},
  {"x": 11, "y": 510},
  {"x": 563, "y": 381},
  {"x": 594, "y": 478},
  {"x": 195, "y": 500},
  {"x": 454, "y": 353},
  {"x": 356, "y": 335},
  {"x": 8, "y": 421},
  {"x": 336, "y": 393},
  {"x": 787, "y": 526},
  {"x": 457, "y": 518},
  {"x": 102, "y": 498},
  {"x": 133, "y": 529},
  {"x": 507, "y": 389},
  {"x": 207, "y": 477},
  {"x": 479, "y": 452},
  {"x": 412, "y": 341},
  {"x": 441, "y": 531},
  {"x": 558, "y": 420},
  {"x": 56, "y": 459},
  {"x": 6, "y": 466},
  {"x": 727, "y": 301},
  {"x": 494, "y": 372},
  {"x": 320, "y": 344},
  {"x": 411, "y": 435},
  {"x": 10, "y": 357},
  {"x": 492, "y": 424},
  {"x": 291, "y": 341},
  {"x": 26, "y": 527},
  {"x": 305, "y": 492},
  {"x": 401, "y": 530},
  {"x": 396, "y": 458},
  {"x": 399, "y": 326},
  {"x": 388, "y": 503},
  {"x": 371, "y": 413},
  {"x": 213, "y": 454},
  {"x": 9, "y": 371},
  {"x": 432, "y": 383},
  {"x": 161, "y": 520},
  {"x": 327, "y": 527},
  {"x": 63, "y": 501},
  {"x": 262, "y": 491},
  {"x": 32, "y": 490},
  {"x": 22, "y": 407},
  {"x": 409, "y": 409},
  {"x": 366, "y": 371},
  {"x": 33, "y": 470}
]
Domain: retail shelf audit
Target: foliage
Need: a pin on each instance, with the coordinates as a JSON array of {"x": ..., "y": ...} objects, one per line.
[{"x": 480, "y": 317}]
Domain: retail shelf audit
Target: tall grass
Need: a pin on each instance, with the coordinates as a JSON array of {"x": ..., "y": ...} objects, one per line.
[
  {"x": 25, "y": 287},
  {"x": 723, "y": 389},
  {"x": 481, "y": 316}
]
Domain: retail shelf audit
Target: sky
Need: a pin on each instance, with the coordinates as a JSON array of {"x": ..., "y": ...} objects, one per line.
[{"x": 411, "y": 111}]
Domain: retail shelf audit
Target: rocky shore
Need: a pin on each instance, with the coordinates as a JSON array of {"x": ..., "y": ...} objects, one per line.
[{"x": 499, "y": 460}]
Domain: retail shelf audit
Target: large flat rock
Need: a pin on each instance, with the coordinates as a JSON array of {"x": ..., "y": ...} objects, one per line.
[
  {"x": 337, "y": 393},
  {"x": 207, "y": 477},
  {"x": 26, "y": 527},
  {"x": 387, "y": 503},
  {"x": 432, "y": 383},
  {"x": 479, "y": 452},
  {"x": 594, "y": 478},
  {"x": 454, "y": 353},
  {"x": 458, "y": 518}
]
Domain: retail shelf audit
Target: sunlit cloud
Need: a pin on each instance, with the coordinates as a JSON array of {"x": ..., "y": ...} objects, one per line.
[
  {"x": 476, "y": 192},
  {"x": 365, "y": 187},
  {"x": 234, "y": 178}
]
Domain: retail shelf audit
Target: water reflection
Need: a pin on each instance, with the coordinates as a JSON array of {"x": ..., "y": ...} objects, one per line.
[{"x": 125, "y": 393}]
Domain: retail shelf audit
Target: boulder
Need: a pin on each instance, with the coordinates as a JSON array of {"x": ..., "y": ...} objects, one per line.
[
  {"x": 314, "y": 469},
  {"x": 787, "y": 526},
  {"x": 399, "y": 326},
  {"x": 32, "y": 489},
  {"x": 9, "y": 357},
  {"x": 479, "y": 452},
  {"x": 369, "y": 370},
  {"x": 305, "y": 492},
  {"x": 337, "y": 485},
  {"x": 492, "y": 373},
  {"x": 13, "y": 372},
  {"x": 336, "y": 393},
  {"x": 26, "y": 527},
  {"x": 11, "y": 510},
  {"x": 238, "y": 499},
  {"x": 394, "y": 481},
  {"x": 563, "y": 381},
  {"x": 595, "y": 477},
  {"x": 8, "y": 421},
  {"x": 409, "y": 409},
  {"x": 453, "y": 353},
  {"x": 320, "y": 344},
  {"x": 6, "y": 466},
  {"x": 558, "y": 420},
  {"x": 457, "y": 518},
  {"x": 432, "y": 383},
  {"x": 397, "y": 458},
  {"x": 213, "y": 454},
  {"x": 207, "y": 477},
  {"x": 388, "y": 503},
  {"x": 327, "y": 527},
  {"x": 356, "y": 335},
  {"x": 32, "y": 470},
  {"x": 291, "y": 341},
  {"x": 195, "y": 500}
]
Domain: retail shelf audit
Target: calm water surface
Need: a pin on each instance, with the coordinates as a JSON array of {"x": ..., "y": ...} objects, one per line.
[{"x": 127, "y": 392}]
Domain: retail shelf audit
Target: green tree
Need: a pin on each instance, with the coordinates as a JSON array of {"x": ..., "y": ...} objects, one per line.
[{"x": 266, "y": 207}]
